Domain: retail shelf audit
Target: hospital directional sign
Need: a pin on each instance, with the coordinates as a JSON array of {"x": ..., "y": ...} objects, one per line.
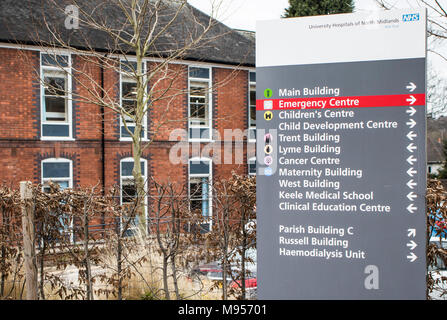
[{"x": 341, "y": 156}]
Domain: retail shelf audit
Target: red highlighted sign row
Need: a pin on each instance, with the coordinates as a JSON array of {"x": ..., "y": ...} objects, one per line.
[{"x": 401, "y": 100}]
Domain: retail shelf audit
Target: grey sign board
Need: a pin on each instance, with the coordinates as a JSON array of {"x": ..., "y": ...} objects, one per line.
[{"x": 341, "y": 157}]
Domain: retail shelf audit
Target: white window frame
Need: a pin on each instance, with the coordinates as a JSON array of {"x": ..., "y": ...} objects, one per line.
[
  {"x": 209, "y": 83},
  {"x": 253, "y": 159},
  {"x": 69, "y": 179},
  {"x": 250, "y": 126},
  {"x": 145, "y": 120},
  {"x": 69, "y": 96},
  {"x": 129, "y": 159},
  {"x": 58, "y": 160},
  {"x": 210, "y": 186}
]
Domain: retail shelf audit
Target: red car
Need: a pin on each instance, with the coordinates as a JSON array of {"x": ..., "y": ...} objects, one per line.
[{"x": 249, "y": 283}]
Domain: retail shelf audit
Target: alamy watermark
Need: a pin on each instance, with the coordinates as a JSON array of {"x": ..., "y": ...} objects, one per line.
[
  {"x": 72, "y": 17},
  {"x": 227, "y": 149}
]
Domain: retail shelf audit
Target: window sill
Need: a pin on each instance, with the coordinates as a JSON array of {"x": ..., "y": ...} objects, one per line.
[
  {"x": 130, "y": 140},
  {"x": 201, "y": 140},
  {"x": 57, "y": 139}
]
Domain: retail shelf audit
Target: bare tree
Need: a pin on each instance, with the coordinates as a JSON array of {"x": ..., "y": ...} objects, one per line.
[
  {"x": 63, "y": 229},
  {"x": 169, "y": 224},
  {"x": 243, "y": 189},
  {"x": 121, "y": 253},
  {"x": 436, "y": 93},
  {"x": 437, "y": 227},
  {"x": 11, "y": 256},
  {"x": 233, "y": 231},
  {"x": 221, "y": 238},
  {"x": 437, "y": 20},
  {"x": 65, "y": 237},
  {"x": 437, "y": 34},
  {"x": 117, "y": 36}
]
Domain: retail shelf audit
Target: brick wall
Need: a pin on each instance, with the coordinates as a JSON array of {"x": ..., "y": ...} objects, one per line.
[
  {"x": 21, "y": 149},
  {"x": 230, "y": 99},
  {"x": 170, "y": 103},
  {"x": 86, "y": 87},
  {"x": 19, "y": 94}
]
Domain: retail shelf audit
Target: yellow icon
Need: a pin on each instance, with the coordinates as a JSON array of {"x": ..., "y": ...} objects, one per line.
[
  {"x": 268, "y": 115},
  {"x": 268, "y": 149}
]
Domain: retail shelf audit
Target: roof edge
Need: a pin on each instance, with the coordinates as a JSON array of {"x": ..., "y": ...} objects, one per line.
[{"x": 98, "y": 50}]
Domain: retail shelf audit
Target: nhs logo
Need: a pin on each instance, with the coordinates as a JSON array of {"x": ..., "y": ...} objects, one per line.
[{"x": 410, "y": 17}]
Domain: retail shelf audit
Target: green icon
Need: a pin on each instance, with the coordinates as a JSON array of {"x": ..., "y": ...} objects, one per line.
[{"x": 268, "y": 93}]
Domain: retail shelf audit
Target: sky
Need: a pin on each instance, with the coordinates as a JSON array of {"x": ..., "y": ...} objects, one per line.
[{"x": 243, "y": 14}]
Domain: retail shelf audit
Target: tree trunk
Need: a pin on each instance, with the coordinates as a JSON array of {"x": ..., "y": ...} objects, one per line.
[
  {"x": 119, "y": 265},
  {"x": 174, "y": 277},
  {"x": 175, "y": 240},
  {"x": 243, "y": 293},
  {"x": 139, "y": 181},
  {"x": 165, "y": 277},
  {"x": 244, "y": 250},
  {"x": 87, "y": 265},
  {"x": 136, "y": 141},
  {"x": 3, "y": 277},
  {"x": 3, "y": 256},
  {"x": 42, "y": 266},
  {"x": 224, "y": 278}
]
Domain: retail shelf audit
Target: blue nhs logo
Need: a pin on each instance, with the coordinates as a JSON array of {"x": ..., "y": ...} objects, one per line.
[{"x": 410, "y": 17}]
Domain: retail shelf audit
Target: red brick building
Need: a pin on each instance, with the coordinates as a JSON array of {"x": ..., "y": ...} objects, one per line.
[{"x": 50, "y": 136}]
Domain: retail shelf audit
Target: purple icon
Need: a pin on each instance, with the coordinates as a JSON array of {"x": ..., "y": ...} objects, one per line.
[
  {"x": 268, "y": 138},
  {"x": 268, "y": 160}
]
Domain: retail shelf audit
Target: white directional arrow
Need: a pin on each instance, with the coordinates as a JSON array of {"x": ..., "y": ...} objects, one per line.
[
  {"x": 412, "y": 257},
  {"x": 411, "y": 123},
  {"x": 411, "y": 135},
  {"x": 411, "y": 196},
  {"x": 411, "y": 100},
  {"x": 411, "y": 111},
  {"x": 411, "y": 147},
  {"x": 411, "y": 233},
  {"x": 411, "y": 208},
  {"x": 411, "y": 87},
  {"x": 411, "y": 160},
  {"x": 411, "y": 172},
  {"x": 412, "y": 245},
  {"x": 411, "y": 184}
]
